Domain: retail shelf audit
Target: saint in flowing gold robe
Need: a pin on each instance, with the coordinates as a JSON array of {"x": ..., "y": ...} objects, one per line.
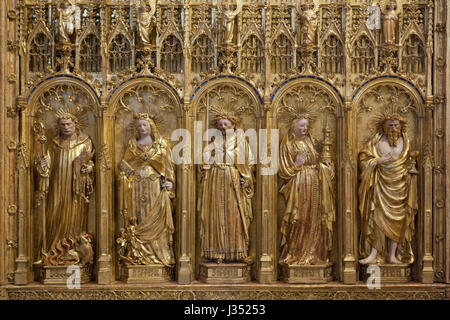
[
  {"x": 224, "y": 206},
  {"x": 144, "y": 170},
  {"x": 309, "y": 213},
  {"x": 387, "y": 201},
  {"x": 309, "y": 23},
  {"x": 67, "y": 199},
  {"x": 144, "y": 24},
  {"x": 390, "y": 19}
]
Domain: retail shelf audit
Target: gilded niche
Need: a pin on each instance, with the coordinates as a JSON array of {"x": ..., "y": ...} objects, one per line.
[
  {"x": 146, "y": 187},
  {"x": 226, "y": 183},
  {"x": 146, "y": 182},
  {"x": 307, "y": 224},
  {"x": 307, "y": 172},
  {"x": 388, "y": 199},
  {"x": 388, "y": 193},
  {"x": 65, "y": 164}
]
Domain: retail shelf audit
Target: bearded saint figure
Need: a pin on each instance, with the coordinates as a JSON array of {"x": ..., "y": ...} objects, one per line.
[
  {"x": 66, "y": 169},
  {"x": 226, "y": 192},
  {"x": 387, "y": 194}
]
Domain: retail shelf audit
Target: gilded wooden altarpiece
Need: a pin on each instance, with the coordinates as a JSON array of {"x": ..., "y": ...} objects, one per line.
[{"x": 185, "y": 62}]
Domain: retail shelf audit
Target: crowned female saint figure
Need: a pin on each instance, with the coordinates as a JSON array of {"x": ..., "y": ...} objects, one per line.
[{"x": 146, "y": 187}]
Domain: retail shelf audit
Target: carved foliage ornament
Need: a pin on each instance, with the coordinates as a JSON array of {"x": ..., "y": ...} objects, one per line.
[
  {"x": 380, "y": 102},
  {"x": 226, "y": 101},
  {"x": 305, "y": 101},
  {"x": 150, "y": 99},
  {"x": 63, "y": 100},
  {"x": 388, "y": 95}
]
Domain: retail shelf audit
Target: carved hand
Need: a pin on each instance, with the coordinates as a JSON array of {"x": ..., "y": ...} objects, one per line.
[
  {"x": 300, "y": 159},
  {"x": 330, "y": 166},
  {"x": 45, "y": 161},
  {"x": 385, "y": 158},
  {"x": 244, "y": 183},
  {"x": 168, "y": 185},
  {"x": 86, "y": 168}
]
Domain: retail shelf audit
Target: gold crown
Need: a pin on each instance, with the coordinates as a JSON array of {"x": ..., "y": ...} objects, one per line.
[
  {"x": 227, "y": 115},
  {"x": 144, "y": 116},
  {"x": 304, "y": 115}
]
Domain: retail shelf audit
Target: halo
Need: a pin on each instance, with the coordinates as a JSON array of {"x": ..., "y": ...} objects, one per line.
[
  {"x": 220, "y": 112},
  {"x": 289, "y": 113},
  {"x": 389, "y": 112},
  {"x": 75, "y": 112},
  {"x": 150, "y": 114}
]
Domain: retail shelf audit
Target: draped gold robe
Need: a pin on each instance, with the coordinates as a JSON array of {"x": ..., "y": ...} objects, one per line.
[
  {"x": 67, "y": 199},
  {"x": 309, "y": 214},
  {"x": 224, "y": 207},
  {"x": 142, "y": 197},
  {"x": 390, "y": 19},
  {"x": 309, "y": 24},
  {"x": 387, "y": 201},
  {"x": 144, "y": 26}
]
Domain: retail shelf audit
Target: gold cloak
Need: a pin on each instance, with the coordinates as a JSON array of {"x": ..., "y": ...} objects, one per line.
[
  {"x": 67, "y": 199},
  {"x": 309, "y": 213},
  {"x": 387, "y": 201},
  {"x": 143, "y": 170},
  {"x": 224, "y": 207}
]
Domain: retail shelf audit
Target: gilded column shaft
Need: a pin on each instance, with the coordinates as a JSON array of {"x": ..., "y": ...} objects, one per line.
[
  {"x": 3, "y": 152},
  {"x": 446, "y": 106},
  {"x": 104, "y": 209}
]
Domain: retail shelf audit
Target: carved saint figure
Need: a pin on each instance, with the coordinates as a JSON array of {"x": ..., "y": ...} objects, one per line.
[
  {"x": 69, "y": 19},
  {"x": 67, "y": 163},
  {"x": 229, "y": 15},
  {"x": 146, "y": 187},
  {"x": 387, "y": 194},
  {"x": 225, "y": 195},
  {"x": 390, "y": 19},
  {"x": 309, "y": 214},
  {"x": 308, "y": 22},
  {"x": 144, "y": 21}
]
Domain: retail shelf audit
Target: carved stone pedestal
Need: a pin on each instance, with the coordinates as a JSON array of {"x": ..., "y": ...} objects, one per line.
[
  {"x": 227, "y": 273},
  {"x": 307, "y": 273},
  {"x": 60, "y": 274},
  {"x": 146, "y": 273},
  {"x": 389, "y": 273}
]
